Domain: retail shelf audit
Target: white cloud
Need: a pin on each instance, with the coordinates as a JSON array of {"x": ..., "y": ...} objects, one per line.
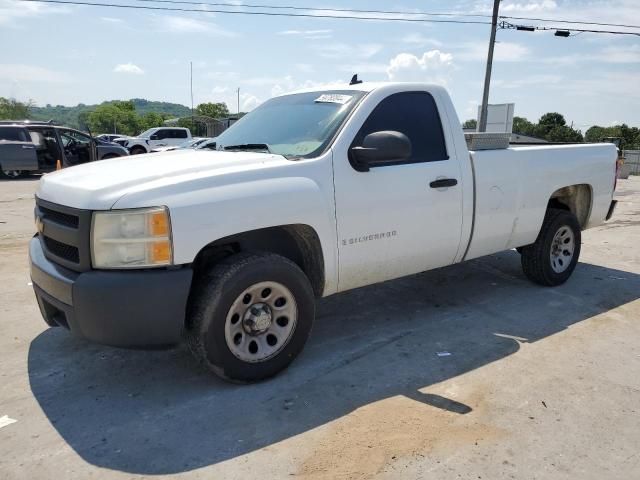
[
  {"x": 528, "y": 7},
  {"x": 248, "y": 102},
  {"x": 420, "y": 40},
  {"x": 433, "y": 66},
  {"x": 111, "y": 20},
  {"x": 544, "y": 79},
  {"x": 16, "y": 72},
  {"x": 365, "y": 68},
  {"x": 309, "y": 34},
  {"x": 503, "y": 52},
  {"x": 305, "y": 67},
  {"x": 305, "y": 32},
  {"x": 128, "y": 68},
  {"x": 486, "y": 6},
  {"x": 344, "y": 50},
  {"x": 192, "y": 25},
  {"x": 216, "y": 90},
  {"x": 11, "y": 11}
]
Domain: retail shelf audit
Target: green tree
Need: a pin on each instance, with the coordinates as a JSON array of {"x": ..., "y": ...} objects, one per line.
[
  {"x": 11, "y": 109},
  {"x": 116, "y": 117},
  {"x": 471, "y": 123},
  {"x": 523, "y": 126},
  {"x": 151, "y": 120},
  {"x": 213, "y": 110},
  {"x": 595, "y": 134}
]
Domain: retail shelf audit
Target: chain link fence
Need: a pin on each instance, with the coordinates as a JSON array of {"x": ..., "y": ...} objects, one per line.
[{"x": 632, "y": 161}]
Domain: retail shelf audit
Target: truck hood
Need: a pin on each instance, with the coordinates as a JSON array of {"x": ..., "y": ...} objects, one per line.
[{"x": 99, "y": 185}]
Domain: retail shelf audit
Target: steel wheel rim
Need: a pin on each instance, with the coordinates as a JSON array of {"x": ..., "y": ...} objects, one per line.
[
  {"x": 562, "y": 249},
  {"x": 261, "y": 322},
  {"x": 11, "y": 173}
]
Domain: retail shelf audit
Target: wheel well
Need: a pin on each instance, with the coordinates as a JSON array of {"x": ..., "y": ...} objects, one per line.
[
  {"x": 298, "y": 243},
  {"x": 574, "y": 198}
]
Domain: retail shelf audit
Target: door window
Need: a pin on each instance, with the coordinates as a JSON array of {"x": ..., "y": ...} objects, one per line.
[
  {"x": 179, "y": 134},
  {"x": 414, "y": 114},
  {"x": 77, "y": 146}
]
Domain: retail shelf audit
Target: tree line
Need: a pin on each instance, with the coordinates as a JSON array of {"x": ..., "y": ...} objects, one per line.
[
  {"x": 132, "y": 117},
  {"x": 128, "y": 117},
  {"x": 553, "y": 127}
]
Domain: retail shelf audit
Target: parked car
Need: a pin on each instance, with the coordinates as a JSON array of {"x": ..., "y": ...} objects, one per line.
[
  {"x": 227, "y": 249},
  {"x": 46, "y": 145},
  {"x": 155, "y": 138},
  {"x": 193, "y": 143},
  {"x": 109, "y": 137}
]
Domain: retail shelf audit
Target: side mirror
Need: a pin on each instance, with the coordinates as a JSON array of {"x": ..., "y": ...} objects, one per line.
[{"x": 379, "y": 148}]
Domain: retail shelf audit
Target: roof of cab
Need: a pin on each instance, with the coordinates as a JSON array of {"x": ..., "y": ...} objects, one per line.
[{"x": 361, "y": 87}]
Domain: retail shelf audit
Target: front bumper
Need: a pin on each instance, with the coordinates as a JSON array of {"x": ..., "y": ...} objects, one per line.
[{"x": 119, "y": 308}]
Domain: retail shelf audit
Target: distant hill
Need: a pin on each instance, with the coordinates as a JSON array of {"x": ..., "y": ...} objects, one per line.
[{"x": 69, "y": 115}]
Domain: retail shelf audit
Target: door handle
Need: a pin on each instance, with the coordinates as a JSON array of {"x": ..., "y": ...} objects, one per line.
[{"x": 444, "y": 183}]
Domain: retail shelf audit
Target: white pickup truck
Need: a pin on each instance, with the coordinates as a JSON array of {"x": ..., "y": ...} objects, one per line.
[
  {"x": 157, "y": 137},
  {"x": 312, "y": 193}
]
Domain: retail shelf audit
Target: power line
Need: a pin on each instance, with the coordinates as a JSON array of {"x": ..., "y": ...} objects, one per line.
[
  {"x": 267, "y": 14},
  {"x": 321, "y": 9},
  {"x": 338, "y": 10},
  {"x": 530, "y": 28},
  {"x": 577, "y": 22},
  {"x": 384, "y": 12},
  {"x": 305, "y": 15}
]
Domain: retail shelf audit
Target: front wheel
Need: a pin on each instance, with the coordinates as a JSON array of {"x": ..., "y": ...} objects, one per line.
[
  {"x": 250, "y": 316},
  {"x": 11, "y": 174},
  {"x": 137, "y": 151},
  {"x": 550, "y": 261}
]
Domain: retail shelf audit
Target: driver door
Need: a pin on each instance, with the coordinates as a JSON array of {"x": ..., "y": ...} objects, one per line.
[
  {"x": 394, "y": 220},
  {"x": 78, "y": 148}
]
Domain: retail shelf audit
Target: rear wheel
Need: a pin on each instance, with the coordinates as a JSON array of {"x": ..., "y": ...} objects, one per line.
[
  {"x": 11, "y": 174},
  {"x": 137, "y": 150},
  {"x": 550, "y": 261},
  {"x": 250, "y": 316}
]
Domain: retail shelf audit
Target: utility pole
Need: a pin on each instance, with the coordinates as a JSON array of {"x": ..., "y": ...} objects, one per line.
[
  {"x": 238, "y": 101},
  {"x": 191, "y": 81},
  {"x": 482, "y": 127}
]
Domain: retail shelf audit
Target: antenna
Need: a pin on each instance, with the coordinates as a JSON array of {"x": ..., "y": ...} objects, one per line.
[{"x": 354, "y": 80}]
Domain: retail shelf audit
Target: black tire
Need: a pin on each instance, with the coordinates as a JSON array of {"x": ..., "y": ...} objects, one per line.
[
  {"x": 536, "y": 258},
  {"x": 213, "y": 297},
  {"x": 137, "y": 151},
  {"x": 12, "y": 174}
]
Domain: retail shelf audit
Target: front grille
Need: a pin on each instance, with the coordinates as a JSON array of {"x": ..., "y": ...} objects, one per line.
[
  {"x": 65, "y": 234},
  {"x": 62, "y": 250},
  {"x": 61, "y": 218}
]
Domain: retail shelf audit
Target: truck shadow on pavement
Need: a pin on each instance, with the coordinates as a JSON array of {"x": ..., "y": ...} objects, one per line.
[{"x": 158, "y": 413}]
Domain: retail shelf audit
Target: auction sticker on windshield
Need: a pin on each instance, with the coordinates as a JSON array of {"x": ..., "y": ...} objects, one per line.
[{"x": 333, "y": 98}]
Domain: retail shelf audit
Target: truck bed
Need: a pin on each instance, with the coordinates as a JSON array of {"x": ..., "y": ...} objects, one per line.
[{"x": 509, "y": 213}]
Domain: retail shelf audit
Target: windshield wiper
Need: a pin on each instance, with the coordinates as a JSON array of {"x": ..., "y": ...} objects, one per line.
[{"x": 248, "y": 146}]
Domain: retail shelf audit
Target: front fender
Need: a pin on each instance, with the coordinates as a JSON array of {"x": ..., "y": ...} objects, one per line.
[{"x": 200, "y": 216}]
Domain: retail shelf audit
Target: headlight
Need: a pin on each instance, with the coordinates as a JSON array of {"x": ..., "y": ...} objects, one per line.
[{"x": 131, "y": 238}]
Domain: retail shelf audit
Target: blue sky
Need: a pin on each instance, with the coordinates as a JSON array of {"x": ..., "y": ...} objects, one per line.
[{"x": 71, "y": 54}]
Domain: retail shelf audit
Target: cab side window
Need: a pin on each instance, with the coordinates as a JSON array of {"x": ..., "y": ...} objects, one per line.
[
  {"x": 414, "y": 114},
  {"x": 179, "y": 134}
]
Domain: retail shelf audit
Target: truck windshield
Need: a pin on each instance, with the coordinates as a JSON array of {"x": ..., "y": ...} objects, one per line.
[
  {"x": 147, "y": 133},
  {"x": 295, "y": 126}
]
